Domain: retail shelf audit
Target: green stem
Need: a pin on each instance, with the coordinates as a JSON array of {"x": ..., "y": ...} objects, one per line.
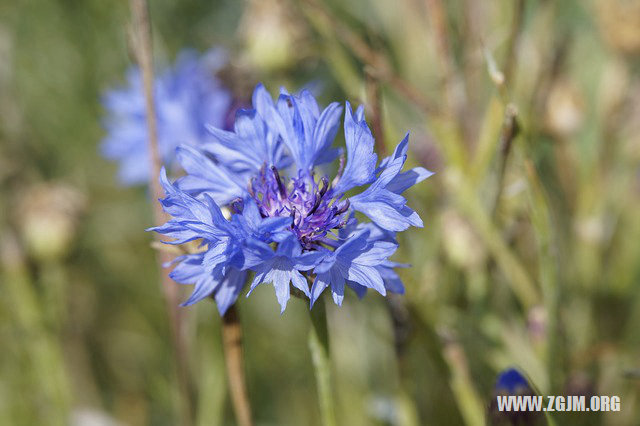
[
  {"x": 141, "y": 38},
  {"x": 319, "y": 346},
  {"x": 234, "y": 358},
  {"x": 40, "y": 347}
]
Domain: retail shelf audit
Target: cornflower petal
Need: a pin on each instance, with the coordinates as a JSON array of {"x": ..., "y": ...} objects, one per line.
[
  {"x": 187, "y": 96},
  {"x": 361, "y": 160}
]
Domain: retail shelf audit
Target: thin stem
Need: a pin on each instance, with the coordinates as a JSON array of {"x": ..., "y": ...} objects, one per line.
[
  {"x": 438, "y": 20},
  {"x": 234, "y": 360},
  {"x": 397, "y": 310},
  {"x": 372, "y": 58},
  {"x": 514, "y": 39},
  {"x": 374, "y": 99},
  {"x": 141, "y": 33},
  {"x": 454, "y": 90},
  {"x": 40, "y": 347},
  {"x": 508, "y": 132},
  {"x": 319, "y": 347}
]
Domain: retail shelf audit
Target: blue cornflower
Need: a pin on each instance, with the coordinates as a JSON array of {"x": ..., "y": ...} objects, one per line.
[
  {"x": 187, "y": 96},
  {"x": 511, "y": 382},
  {"x": 289, "y": 222}
]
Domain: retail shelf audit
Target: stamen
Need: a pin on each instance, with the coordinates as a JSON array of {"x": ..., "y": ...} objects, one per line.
[
  {"x": 311, "y": 204},
  {"x": 281, "y": 188},
  {"x": 344, "y": 207},
  {"x": 318, "y": 198},
  {"x": 316, "y": 204},
  {"x": 325, "y": 186}
]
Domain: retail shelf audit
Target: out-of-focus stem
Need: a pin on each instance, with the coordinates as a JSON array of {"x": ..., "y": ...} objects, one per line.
[
  {"x": 374, "y": 101},
  {"x": 42, "y": 349},
  {"x": 438, "y": 18},
  {"x": 319, "y": 347},
  {"x": 545, "y": 80},
  {"x": 514, "y": 38},
  {"x": 374, "y": 59},
  {"x": 234, "y": 360},
  {"x": 467, "y": 398},
  {"x": 507, "y": 134},
  {"x": 454, "y": 90},
  {"x": 141, "y": 33},
  {"x": 398, "y": 311}
]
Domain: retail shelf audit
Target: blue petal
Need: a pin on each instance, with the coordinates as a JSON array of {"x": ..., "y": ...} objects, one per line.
[
  {"x": 405, "y": 180},
  {"x": 251, "y": 130},
  {"x": 319, "y": 284},
  {"x": 376, "y": 233},
  {"x": 228, "y": 292},
  {"x": 262, "y": 100},
  {"x": 203, "y": 288},
  {"x": 193, "y": 218},
  {"x": 217, "y": 254},
  {"x": 360, "y": 290},
  {"x": 272, "y": 224},
  {"x": 310, "y": 259},
  {"x": 260, "y": 277},
  {"x": 392, "y": 281},
  {"x": 377, "y": 253},
  {"x": 251, "y": 146},
  {"x": 366, "y": 276},
  {"x": 337, "y": 287},
  {"x": 259, "y": 227},
  {"x": 328, "y": 155},
  {"x": 294, "y": 130},
  {"x": 290, "y": 247},
  {"x": 325, "y": 132},
  {"x": 381, "y": 209},
  {"x": 354, "y": 245},
  {"x": 176, "y": 231},
  {"x": 300, "y": 282},
  {"x": 256, "y": 253},
  {"x": 399, "y": 152},
  {"x": 221, "y": 183},
  {"x": 188, "y": 269},
  {"x": 308, "y": 103},
  {"x": 361, "y": 160},
  {"x": 187, "y": 96},
  {"x": 280, "y": 278},
  {"x": 386, "y": 208}
]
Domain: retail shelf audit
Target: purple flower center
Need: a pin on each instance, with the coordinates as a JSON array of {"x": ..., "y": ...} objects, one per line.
[{"x": 313, "y": 206}]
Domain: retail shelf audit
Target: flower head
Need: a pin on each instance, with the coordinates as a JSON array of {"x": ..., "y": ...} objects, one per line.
[
  {"x": 187, "y": 96},
  {"x": 290, "y": 222},
  {"x": 511, "y": 382}
]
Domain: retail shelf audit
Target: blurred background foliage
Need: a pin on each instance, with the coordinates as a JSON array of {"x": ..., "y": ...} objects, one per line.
[{"x": 529, "y": 112}]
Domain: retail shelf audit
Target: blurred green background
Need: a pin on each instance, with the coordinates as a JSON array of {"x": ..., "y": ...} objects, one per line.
[{"x": 530, "y": 256}]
